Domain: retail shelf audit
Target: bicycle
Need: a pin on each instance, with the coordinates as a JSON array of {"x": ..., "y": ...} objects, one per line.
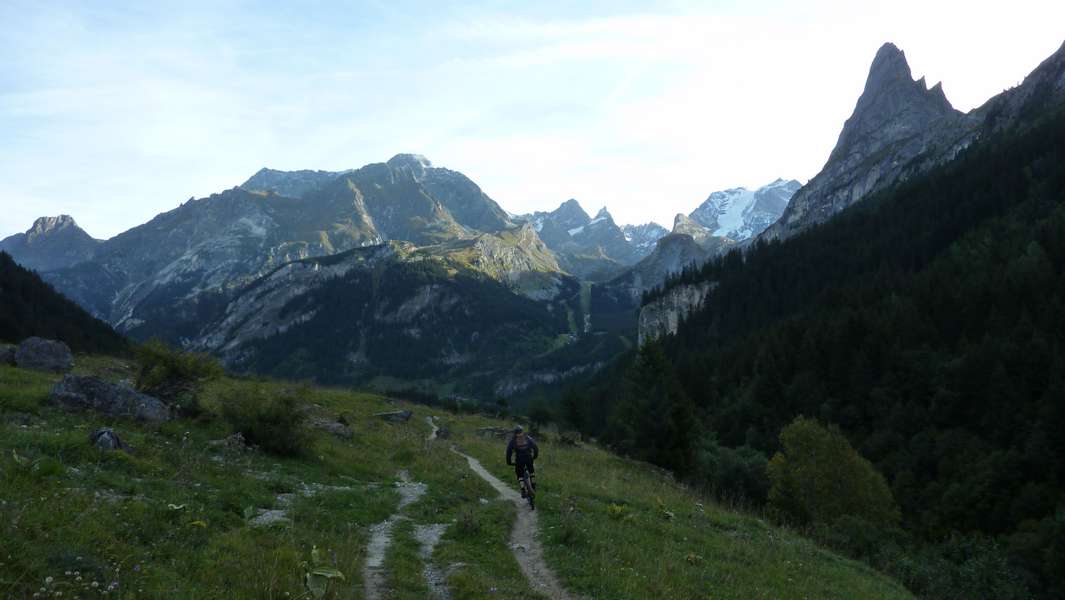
[{"x": 529, "y": 492}]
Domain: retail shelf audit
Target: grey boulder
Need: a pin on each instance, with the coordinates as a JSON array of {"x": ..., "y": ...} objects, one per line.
[
  {"x": 75, "y": 392},
  {"x": 334, "y": 427},
  {"x": 106, "y": 439},
  {"x": 44, "y": 355},
  {"x": 396, "y": 416}
]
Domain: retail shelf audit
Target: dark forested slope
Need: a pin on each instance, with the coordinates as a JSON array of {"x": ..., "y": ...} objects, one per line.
[
  {"x": 928, "y": 323},
  {"x": 30, "y": 307}
]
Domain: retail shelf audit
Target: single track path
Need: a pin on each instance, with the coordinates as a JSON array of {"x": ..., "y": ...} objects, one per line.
[{"x": 523, "y": 541}]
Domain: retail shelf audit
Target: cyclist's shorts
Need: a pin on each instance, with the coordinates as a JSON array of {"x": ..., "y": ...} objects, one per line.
[{"x": 519, "y": 468}]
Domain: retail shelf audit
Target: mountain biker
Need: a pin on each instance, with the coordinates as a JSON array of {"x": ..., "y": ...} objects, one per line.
[{"x": 524, "y": 449}]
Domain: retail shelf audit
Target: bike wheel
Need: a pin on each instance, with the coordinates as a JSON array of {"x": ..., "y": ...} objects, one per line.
[{"x": 529, "y": 493}]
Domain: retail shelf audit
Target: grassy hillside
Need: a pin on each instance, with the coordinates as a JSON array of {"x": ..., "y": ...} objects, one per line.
[{"x": 175, "y": 517}]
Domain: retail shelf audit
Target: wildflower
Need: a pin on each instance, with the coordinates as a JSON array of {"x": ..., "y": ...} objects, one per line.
[
  {"x": 94, "y": 584},
  {"x": 49, "y": 579}
]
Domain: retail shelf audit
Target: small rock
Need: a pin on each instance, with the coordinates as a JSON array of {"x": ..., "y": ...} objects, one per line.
[
  {"x": 44, "y": 355},
  {"x": 569, "y": 438},
  {"x": 75, "y": 392},
  {"x": 235, "y": 442},
  {"x": 266, "y": 518},
  {"x": 7, "y": 354},
  {"x": 396, "y": 416},
  {"x": 334, "y": 427},
  {"x": 106, "y": 439},
  {"x": 443, "y": 433},
  {"x": 498, "y": 432}
]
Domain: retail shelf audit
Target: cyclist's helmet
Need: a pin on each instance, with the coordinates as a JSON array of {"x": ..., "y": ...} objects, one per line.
[{"x": 518, "y": 429}]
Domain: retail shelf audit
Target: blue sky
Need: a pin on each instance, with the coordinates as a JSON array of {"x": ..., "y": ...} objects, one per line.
[{"x": 114, "y": 112}]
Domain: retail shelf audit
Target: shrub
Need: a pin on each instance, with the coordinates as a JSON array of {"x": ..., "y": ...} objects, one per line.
[
  {"x": 819, "y": 477},
  {"x": 733, "y": 473},
  {"x": 173, "y": 376},
  {"x": 268, "y": 417},
  {"x": 959, "y": 568}
]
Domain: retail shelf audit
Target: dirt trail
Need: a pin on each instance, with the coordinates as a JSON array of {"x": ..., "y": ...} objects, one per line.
[
  {"x": 381, "y": 536},
  {"x": 429, "y": 536},
  {"x": 523, "y": 542}
]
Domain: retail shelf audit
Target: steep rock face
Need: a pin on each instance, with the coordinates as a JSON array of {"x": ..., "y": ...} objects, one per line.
[
  {"x": 740, "y": 214},
  {"x": 644, "y": 237},
  {"x": 164, "y": 277},
  {"x": 671, "y": 255},
  {"x": 899, "y": 127},
  {"x": 259, "y": 311},
  {"x": 51, "y": 243},
  {"x": 663, "y": 315},
  {"x": 685, "y": 225}
]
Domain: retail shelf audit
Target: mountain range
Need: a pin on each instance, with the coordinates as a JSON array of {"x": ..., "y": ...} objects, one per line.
[
  {"x": 254, "y": 269},
  {"x": 186, "y": 275}
]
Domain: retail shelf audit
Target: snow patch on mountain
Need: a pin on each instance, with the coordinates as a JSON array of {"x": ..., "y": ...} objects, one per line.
[{"x": 739, "y": 213}]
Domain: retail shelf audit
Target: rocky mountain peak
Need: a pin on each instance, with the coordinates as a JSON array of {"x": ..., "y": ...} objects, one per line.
[
  {"x": 47, "y": 225},
  {"x": 416, "y": 164},
  {"x": 899, "y": 126},
  {"x": 892, "y": 103},
  {"x": 571, "y": 211},
  {"x": 292, "y": 184},
  {"x": 603, "y": 214},
  {"x": 51, "y": 243},
  {"x": 889, "y": 67},
  {"x": 683, "y": 224}
]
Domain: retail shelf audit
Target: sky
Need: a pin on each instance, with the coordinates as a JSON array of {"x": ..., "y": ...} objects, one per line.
[{"x": 114, "y": 112}]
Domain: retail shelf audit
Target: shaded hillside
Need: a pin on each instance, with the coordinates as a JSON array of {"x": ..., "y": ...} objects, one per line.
[
  {"x": 30, "y": 307},
  {"x": 451, "y": 312}
]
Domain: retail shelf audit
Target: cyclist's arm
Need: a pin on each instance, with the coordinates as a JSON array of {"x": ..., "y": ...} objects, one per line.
[
  {"x": 535, "y": 448},
  {"x": 510, "y": 452}
]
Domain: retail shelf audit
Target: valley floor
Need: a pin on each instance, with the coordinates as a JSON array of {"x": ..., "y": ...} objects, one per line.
[{"x": 389, "y": 513}]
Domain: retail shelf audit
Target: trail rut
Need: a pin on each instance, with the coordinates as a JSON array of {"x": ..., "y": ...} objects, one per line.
[
  {"x": 523, "y": 541},
  {"x": 381, "y": 536}
]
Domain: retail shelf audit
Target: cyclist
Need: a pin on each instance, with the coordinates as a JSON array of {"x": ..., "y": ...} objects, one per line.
[{"x": 524, "y": 449}]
